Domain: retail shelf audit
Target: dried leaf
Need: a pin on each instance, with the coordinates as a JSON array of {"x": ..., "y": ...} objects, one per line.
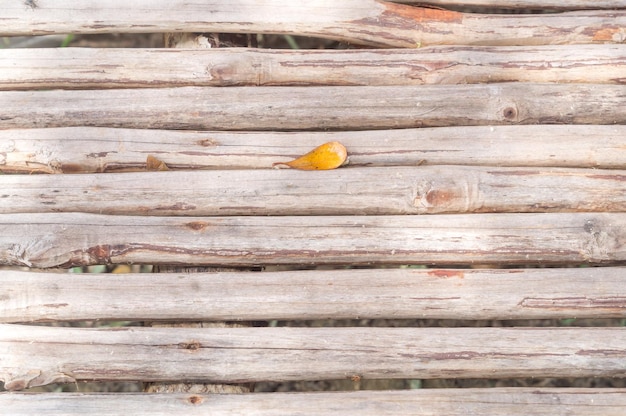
[
  {"x": 330, "y": 155},
  {"x": 152, "y": 163}
]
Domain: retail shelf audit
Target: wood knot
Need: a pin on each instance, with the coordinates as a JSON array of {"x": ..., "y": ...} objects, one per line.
[
  {"x": 207, "y": 142},
  {"x": 197, "y": 225},
  {"x": 510, "y": 113},
  {"x": 192, "y": 345},
  {"x": 195, "y": 400}
]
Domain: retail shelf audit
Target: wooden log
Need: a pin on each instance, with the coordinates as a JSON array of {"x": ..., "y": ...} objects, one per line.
[
  {"x": 43, "y": 355},
  {"x": 345, "y": 191},
  {"x": 524, "y": 4},
  {"x": 125, "y": 68},
  {"x": 486, "y": 402},
  {"x": 296, "y": 108},
  {"x": 93, "y": 149},
  {"x": 317, "y": 294},
  {"x": 368, "y": 22},
  {"x": 70, "y": 239}
]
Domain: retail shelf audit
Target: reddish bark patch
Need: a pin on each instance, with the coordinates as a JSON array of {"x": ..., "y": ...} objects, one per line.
[
  {"x": 100, "y": 254},
  {"x": 447, "y": 273},
  {"x": 436, "y": 197},
  {"x": 179, "y": 206},
  {"x": 72, "y": 168},
  {"x": 55, "y": 305},
  {"x": 608, "y": 34},
  {"x": 420, "y": 14}
]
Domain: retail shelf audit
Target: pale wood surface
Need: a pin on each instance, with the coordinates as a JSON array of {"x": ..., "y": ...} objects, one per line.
[
  {"x": 43, "y": 355},
  {"x": 319, "y": 108},
  {"x": 93, "y": 149},
  {"x": 67, "y": 239},
  {"x": 181, "y": 386},
  {"x": 526, "y": 4},
  {"x": 38, "y": 355},
  {"x": 424, "y": 402},
  {"x": 316, "y": 294},
  {"x": 345, "y": 191},
  {"x": 367, "y": 22},
  {"x": 79, "y": 68}
]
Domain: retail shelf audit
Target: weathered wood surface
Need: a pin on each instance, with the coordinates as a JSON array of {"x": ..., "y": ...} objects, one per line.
[
  {"x": 525, "y": 4},
  {"x": 79, "y": 68},
  {"x": 67, "y": 239},
  {"x": 316, "y": 294},
  {"x": 345, "y": 191},
  {"x": 368, "y": 22},
  {"x": 43, "y": 355},
  {"x": 434, "y": 402},
  {"x": 93, "y": 149},
  {"x": 181, "y": 386},
  {"x": 319, "y": 108}
]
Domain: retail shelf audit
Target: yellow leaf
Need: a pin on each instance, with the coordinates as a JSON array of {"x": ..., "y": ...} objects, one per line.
[
  {"x": 330, "y": 155},
  {"x": 152, "y": 163}
]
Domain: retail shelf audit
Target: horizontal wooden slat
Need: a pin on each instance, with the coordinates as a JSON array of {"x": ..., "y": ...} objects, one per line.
[
  {"x": 292, "y": 108},
  {"x": 338, "y": 294},
  {"x": 43, "y": 355},
  {"x": 525, "y": 4},
  {"x": 355, "y": 191},
  {"x": 94, "y": 149},
  {"x": 124, "y": 68},
  {"x": 486, "y": 402},
  {"x": 362, "y": 21},
  {"x": 67, "y": 239}
]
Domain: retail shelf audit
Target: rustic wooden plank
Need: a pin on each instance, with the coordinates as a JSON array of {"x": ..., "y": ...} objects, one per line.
[
  {"x": 352, "y": 191},
  {"x": 67, "y": 239},
  {"x": 78, "y": 68},
  {"x": 367, "y": 22},
  {"x": 319, "y": 108},
  {"x": 487, "y": 402},
  {"x": 525, "y": 4},
  {"x": 94, "y": 149},
  {"x": 43, "y": 355},
  {"x": 593, "y": 292}
]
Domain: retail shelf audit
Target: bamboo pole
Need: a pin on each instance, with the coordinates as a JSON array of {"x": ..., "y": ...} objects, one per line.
[
  {"x": 69, "y": 239},
  {"x": 94, "y": 149},
  {"x": 141, "y": 68},
  {"x": 320, "y": 108},
  {"x": 346, "y": 191},
  {"x": 42, "y": 355},
  {"x": 536, "y": 401},
  {"x": 591, "y": 292},
  {"x": 368, "y": 22}
]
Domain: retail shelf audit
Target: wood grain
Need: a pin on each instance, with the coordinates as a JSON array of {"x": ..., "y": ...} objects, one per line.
[
  {"x": 82, "y": 68},
  {"x": 94, "y": 149},
  {"x": 43, "y": 355},
  {"x": 345, "y": 191},
  {"x": 487, "y": 402},
  {"x": 298, "y": 108},
  {"x": 368, "y": 22},
  {"x": 315, "y": 294},
  {"x": 69, "y": 239}
]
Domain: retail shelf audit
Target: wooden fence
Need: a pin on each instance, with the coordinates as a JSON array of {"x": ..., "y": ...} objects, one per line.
[{"x": 486, "y": 182}]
